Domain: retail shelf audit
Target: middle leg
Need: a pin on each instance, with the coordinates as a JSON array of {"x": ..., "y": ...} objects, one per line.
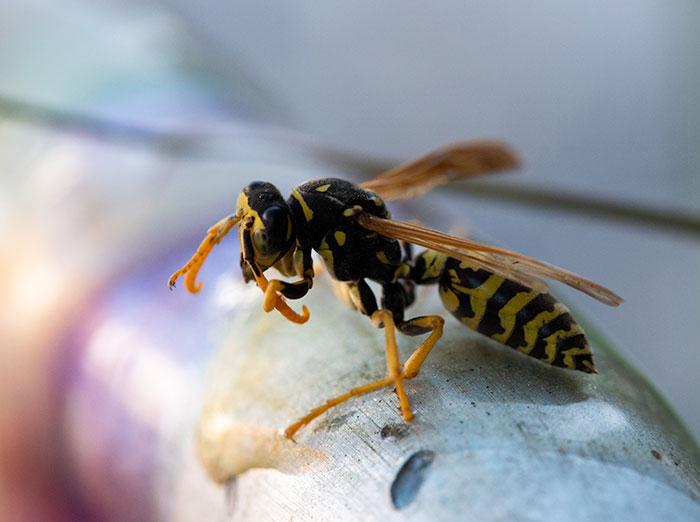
[{"x": 394, "y": 376}]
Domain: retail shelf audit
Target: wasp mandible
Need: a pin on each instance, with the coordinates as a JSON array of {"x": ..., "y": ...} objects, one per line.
[{"x": 494, "y": 291}]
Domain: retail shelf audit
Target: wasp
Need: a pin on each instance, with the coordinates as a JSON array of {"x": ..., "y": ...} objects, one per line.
[{"x": 494, "y": 291}]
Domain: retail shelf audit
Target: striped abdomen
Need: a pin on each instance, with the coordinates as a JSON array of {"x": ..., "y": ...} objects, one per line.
[{"x": 531, "y": 322}]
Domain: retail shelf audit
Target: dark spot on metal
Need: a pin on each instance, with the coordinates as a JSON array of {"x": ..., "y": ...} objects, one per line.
[
  {"x": 473, "y": 404},
  {"x": 410, "y": 477},
  {"x": 395, "y": 431},
  {"x": 335, "y": 422},
  {"x": 656, "y": 454}
]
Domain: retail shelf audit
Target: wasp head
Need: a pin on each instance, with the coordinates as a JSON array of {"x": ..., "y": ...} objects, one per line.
[{"x": 267, "y": 216}]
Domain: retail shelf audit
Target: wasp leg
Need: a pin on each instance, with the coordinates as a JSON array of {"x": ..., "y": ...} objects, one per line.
[
  {"x": 261, "y": 280},
  {"x": 360, "y": 296},
  {"x": 417, "y": 326},
  {"x": 214, "y": 235},
  {"x": 394, "y": 376},
  {"x": 295, "y": 290},
  {"x": 396, "y": 297}
]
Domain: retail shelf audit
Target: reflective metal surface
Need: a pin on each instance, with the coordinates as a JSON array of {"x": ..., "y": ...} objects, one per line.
[{"x": 508, "y": 438}]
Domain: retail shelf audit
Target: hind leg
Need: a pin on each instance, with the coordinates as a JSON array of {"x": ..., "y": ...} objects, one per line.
[
  {"x": 394, "y": 299},
  {"x": 417, "y": 326}
]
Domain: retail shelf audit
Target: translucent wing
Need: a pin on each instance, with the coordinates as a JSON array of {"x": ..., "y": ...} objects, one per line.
[
  {"x": 518, "y": 267},
  {"x": 459, "y": 160}
]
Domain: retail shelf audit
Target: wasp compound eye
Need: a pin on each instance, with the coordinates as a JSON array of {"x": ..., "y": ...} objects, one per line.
[{"x": 273, "y": 236}]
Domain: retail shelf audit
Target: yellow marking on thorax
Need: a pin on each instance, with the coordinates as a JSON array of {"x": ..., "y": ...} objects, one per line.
[
  {"x": 323, "y": 188},
  {"x": 327, "y": 254},
  {"x": 478, "y": 298},
  {"x": 353, "y": 211},
  {"x": 339, "y": 236},
  {"x": 308, "y": 213},
  {"x": 382, "y": 257},
  {"x": 509, "y": 312},
  {"x": 531, "y": 329},
  {"x": 377, "y": 201}
]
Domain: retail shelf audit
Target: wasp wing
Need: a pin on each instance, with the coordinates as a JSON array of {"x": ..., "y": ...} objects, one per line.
[
  {"x": 512, "y": 265},
  {"x": 459, "y": 160}
]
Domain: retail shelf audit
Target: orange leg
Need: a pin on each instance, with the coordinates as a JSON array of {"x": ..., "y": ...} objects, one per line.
[
  {"x": 411, "y": 367},
  {"x": 273, "y": 300},
  {"x": 214, "y": 235},
  {"x": 394, "y": 376},
  {"x": 434, "y": 323}
]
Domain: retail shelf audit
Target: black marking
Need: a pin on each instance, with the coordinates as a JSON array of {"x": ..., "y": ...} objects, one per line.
[
  {"x": 468, "y": 277},
  {"x": 541, "y": 303},
  {"x": 367, "y": 298},
  {"x": 410, "y": 478},
  {"x": 490, "y": 323},
  {"x": 464, "y": 308},
  {"x": 576, "y": 341},
  {"x": 562, "y": 322},
  {"x": 394, "y": 299}
]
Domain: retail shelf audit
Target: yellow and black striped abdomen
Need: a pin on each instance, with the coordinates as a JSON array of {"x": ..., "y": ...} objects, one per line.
[{"x": 534, "y": 323}]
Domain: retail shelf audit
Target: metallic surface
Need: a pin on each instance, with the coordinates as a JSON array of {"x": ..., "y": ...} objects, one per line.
[{"x": 498, "y": 435}]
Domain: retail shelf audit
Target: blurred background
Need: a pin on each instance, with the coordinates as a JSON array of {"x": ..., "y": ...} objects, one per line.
[{"x": 127, "y": 127}]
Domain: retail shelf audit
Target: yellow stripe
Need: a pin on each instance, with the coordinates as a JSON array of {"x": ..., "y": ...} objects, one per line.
[
  {"x": 509, "y": 312},
  {"x": 571, "y": 352},
  {"x": 308, "y": 213},
  {"x": 339, "y": 237},
  {"x": 323, "y": 188},
  {"x": 532, "y": 328},
  {"x": 551, "y": 347},
  {"x": 552, "y": 340},
  {"x": 449, "y": 299},
  {"x": 478, "y": 298}
]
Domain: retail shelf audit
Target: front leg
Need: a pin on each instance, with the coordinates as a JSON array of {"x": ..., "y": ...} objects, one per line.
[
  {"x": 291, "y": 290},
  {"x": 278, "y": 302}
]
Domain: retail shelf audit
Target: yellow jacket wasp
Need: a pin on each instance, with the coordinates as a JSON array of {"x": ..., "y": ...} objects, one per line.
[{"x": 492, "y": 290}]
